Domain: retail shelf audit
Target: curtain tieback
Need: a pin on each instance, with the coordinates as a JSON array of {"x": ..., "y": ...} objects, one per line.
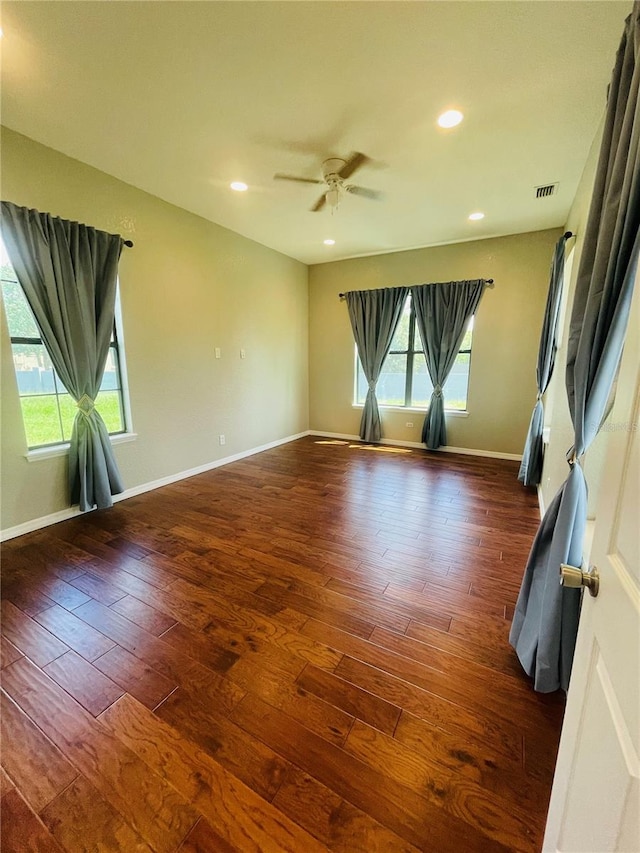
[
  {"x": 437, "y": 390},
  {"x": 573, "y": 458},
  {"x": 86, "y": 405},
  {"x": 372, "y": 385},
  {"x": 539, "y": 396}
]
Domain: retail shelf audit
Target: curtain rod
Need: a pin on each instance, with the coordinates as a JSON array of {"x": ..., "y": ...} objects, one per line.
[{"x": 487, "y": 281}]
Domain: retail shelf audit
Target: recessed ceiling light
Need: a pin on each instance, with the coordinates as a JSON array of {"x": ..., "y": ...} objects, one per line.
[
  {"x": 329, "y": 242},
  {"x": 239, "y": 186},
  {"x": 450, "y": 119},
  {"x": 475, "y": 216}
]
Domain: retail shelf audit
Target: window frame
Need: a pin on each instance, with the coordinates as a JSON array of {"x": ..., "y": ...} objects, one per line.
[
  {"x": 410, "y": 354},
  {"x": 59, "y": 448}
]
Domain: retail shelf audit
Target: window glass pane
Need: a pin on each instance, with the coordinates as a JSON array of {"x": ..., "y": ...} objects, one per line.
[
  {"x": 390, "y": 390},
  {"x": 109, "y": 404},
  {"x": 35, "y": 376},
  {"x": 422, "y": 387},
  {"x": 401, "y": 337},
  {"x": 361, "y": 383},
  {"x": 466, "y": 341},
  {"x": 48, "y": 411},
  {"x": 45, "y": 424},
  {"x": 68, "y": 411},
  {"x": 111, "y": 378},
  {"x": 34, "y": 371},
  {"x": 19, "y": 316},
  {"x": 391, "y": 384},
  {"x": 41, "y": 420},
  {"x": 456, "y": 386}
]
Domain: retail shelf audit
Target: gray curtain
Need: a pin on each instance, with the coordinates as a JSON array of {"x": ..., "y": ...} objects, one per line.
[
  {"x": 69, "y": 273},
  {"x": 545, "y": 624},
  {"x": 531, "y": 465},
  {"x": 374, "y": 316},
  {"x": 442, "y": 314}
]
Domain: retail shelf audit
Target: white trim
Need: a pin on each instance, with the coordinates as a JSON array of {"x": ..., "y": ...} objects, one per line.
[
  {"x": 588, "y": 541},
  {"x": 490, "y": 454},
  {"x": 39, "y": 453},
  {"x": 43, "y": 521},
  {"x": 208, "y": 466},
  {"x": 541, "y": 501},
  {"x": 122, "y": 363},
  {"x": 456, "y": 413},
  {"x": 71, "y": 512},
  {"x": 465, "y": 451}
]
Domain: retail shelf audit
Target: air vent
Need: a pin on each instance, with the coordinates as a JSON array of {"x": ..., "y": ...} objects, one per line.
[{"x": 546, "y": 190}]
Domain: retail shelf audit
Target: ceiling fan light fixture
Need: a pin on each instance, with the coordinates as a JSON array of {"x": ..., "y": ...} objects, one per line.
[
  {"x": 450, "y": 118},
  {"x": 333, "y": 197},
  {"x": 475, "y": 217},
  {"x": 239, "y": 186}
]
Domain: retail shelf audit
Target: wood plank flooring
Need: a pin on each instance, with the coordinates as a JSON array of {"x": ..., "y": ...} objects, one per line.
[{"x": 305, "y": 650}]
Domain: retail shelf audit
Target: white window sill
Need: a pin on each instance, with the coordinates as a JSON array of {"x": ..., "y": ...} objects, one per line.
[
  {"x": 456, "y": 413},
  {"x": 63, "y": 449}
]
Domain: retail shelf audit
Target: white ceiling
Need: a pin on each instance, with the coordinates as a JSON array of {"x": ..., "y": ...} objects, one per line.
[{"x": 180, "y": 98}]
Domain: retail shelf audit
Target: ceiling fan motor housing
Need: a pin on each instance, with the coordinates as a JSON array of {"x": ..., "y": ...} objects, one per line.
[{"x": 331, "y": 170}]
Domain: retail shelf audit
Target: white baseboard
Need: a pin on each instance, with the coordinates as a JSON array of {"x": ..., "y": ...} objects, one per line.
[
  {"x": 490, "y": 454},
  {"x": 541, "y": 501},
  {"x": 43, "y": 521},
  {"x": 72, "y": 511},
  {"x": 465, "y": 451}
]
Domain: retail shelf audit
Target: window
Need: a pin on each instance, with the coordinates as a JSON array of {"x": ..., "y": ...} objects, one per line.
[
  {"x": 404, "y": 380},
  {"x": 48, "y": 411}
]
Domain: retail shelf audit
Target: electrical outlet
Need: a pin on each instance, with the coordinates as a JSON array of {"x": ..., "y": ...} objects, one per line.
[
  {"x": 243, "y": 354},
  {"x": 409, "y": 424},
  {"x": 218, "y": 352},
  {"x": 222, "y": 439}
]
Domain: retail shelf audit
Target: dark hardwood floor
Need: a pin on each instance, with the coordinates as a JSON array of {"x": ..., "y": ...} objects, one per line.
[{"x": 301, "y": 651}]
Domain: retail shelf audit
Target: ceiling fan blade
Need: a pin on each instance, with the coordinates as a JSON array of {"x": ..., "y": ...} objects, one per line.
[
  {"x": 354, "y": 162},
  {"x": 365, "y": 192},
  {"x": 319, "y": 204},
  {"x": 280, "y": 177}
]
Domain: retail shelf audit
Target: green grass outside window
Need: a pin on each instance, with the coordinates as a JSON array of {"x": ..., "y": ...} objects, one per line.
[{"x": 42, "y": 422}]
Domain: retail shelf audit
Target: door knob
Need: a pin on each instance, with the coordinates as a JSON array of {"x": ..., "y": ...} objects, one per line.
[{"x": 573, "y": 577}]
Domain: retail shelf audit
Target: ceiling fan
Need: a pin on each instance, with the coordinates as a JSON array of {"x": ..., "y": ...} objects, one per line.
[{"x": 335, "y": 172}]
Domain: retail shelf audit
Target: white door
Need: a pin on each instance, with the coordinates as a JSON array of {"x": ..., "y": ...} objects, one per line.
[{"x": 595, "y": 801}]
